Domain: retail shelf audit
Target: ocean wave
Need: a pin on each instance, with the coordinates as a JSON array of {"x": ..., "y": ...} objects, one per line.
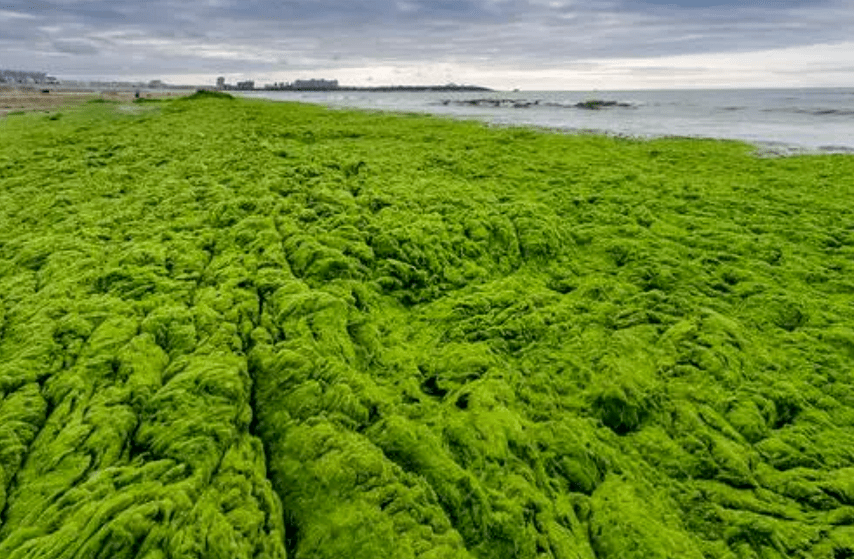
[{"x": 812, "y": 111}]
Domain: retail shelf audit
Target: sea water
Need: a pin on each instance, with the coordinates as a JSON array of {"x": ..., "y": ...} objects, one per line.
[{"x": 785, "y": 120}]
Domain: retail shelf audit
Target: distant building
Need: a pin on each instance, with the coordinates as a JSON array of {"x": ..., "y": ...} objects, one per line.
[
  {"x": 155, "y": 84},
  {"x": 315, "y": 84},
  {"x": 220, "y": 83},
  {"x": 22, "y": 77},
  {"x": 247, "y": 85}
]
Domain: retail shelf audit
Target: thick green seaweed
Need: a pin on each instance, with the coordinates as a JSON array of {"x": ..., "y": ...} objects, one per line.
[{"x": 242, "y": 329}]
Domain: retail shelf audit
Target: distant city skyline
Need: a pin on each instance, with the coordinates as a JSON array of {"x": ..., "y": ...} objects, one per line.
[{"x": 501, "y": 44}]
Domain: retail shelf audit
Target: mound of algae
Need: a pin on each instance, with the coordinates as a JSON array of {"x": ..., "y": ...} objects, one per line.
[{"x": 238, "y": 329}]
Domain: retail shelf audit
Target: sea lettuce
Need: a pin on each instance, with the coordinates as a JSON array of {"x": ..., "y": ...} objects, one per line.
[{"x": 243, "y": 329}]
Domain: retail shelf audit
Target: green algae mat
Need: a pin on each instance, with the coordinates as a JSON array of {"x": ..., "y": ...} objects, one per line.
[{"x": 238, "y": 329}]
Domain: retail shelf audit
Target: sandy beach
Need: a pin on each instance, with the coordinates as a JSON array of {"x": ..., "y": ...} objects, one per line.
[{"x": 16, "y": 100}]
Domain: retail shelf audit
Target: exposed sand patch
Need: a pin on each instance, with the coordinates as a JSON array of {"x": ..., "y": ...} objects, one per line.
[{"x": 14, "y": 100}]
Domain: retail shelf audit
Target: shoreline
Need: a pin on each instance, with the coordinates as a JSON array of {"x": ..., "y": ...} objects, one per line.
[
  {"x": 15, "y": 100},
  {"x": 762, "y": 148},
  {"x": 780, "y": 137}
]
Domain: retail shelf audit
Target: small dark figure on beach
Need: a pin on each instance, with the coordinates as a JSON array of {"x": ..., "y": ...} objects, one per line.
[{"x": 136, "y": 94}]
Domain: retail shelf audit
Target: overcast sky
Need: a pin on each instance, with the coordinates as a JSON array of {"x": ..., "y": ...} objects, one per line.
[{"x": 503, "y": 44}]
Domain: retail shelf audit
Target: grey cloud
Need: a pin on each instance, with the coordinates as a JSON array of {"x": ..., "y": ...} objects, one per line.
[
  {"x": 694, "y": 4},
  {"x": 665, "y": 70},
  {"x": 75, "y": 46},
  {"x": 167, "y": 35},
  {"x": 820, "y": 69}
]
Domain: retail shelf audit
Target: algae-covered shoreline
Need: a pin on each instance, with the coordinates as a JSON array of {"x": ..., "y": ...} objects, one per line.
[{"x": 241, "y": 329}]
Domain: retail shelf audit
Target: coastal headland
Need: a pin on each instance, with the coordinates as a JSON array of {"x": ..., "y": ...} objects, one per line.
[{"x": 244, "y": 329}]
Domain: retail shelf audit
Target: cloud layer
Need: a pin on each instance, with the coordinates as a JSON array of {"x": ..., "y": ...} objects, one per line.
[{"x": 421, "y": 41}]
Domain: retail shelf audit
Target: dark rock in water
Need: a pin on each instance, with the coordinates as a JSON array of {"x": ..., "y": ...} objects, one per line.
[
  {"x": 596, "y": 104},
  {"x": 834, "y": 112},
  {"x": 493, "y": 103},
  {"x": 813, "y": 112},
  {"x": 593, "y": 104}
]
